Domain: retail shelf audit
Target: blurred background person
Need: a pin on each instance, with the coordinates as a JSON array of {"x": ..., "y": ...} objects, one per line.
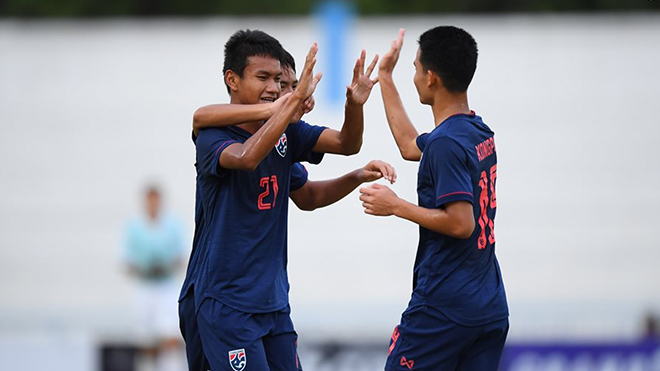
[{"x": 154, "y": 256}]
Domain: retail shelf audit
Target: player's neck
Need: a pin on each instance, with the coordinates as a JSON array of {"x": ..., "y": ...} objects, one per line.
[{"x": 446, "y": 105}]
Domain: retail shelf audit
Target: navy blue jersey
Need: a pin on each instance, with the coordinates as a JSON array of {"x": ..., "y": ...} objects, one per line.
[
  {"x": 298, "y": 176},
  {"x": 194, "y": 256},
  {"x": 241, "y": 250},
  {"x": 459, "y": 277}
]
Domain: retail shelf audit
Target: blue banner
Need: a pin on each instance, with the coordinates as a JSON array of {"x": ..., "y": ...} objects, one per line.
[{"x": 643, "y": 356}]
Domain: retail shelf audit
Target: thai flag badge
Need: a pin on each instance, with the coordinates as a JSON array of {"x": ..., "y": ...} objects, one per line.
[
  {"x": 237, "y": 359},
  {"x": 281, "y": 145}
]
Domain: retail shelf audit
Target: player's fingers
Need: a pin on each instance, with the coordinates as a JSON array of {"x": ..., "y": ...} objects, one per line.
[
  {"x": 308, "y": 71},
  {"x": 386, "y": 172},
  {"x": 356, "y": 70},
  {"x": 371, "y": 67},
  {"x": 311, "y": 54},
  {"x": 366, "y": 191},
  {"x": 372, "y": 175},
  {"x": 363, "y": 57},
  {"x": 316, "y": 80},
  {"x": 391, "y": 173}
]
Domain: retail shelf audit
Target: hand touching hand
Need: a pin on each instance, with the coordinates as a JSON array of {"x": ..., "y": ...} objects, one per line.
[
  {"x": 378, "y": 200},
  {"x": 375, "y": 170}
]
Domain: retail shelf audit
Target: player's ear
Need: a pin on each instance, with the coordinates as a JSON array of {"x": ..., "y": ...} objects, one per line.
[
  {"x": 231, "y": 79},
  {"x": 432, "y": 79}
]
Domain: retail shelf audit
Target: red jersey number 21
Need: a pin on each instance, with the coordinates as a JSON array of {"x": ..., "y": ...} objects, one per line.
[
  {"x": 265, "y": 183},
  {"x": 487, "y": 203}
]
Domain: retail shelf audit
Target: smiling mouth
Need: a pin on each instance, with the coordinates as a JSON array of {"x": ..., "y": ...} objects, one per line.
[{"x": 267, "y": 100}]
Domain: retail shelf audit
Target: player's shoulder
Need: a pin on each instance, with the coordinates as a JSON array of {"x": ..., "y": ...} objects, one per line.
[
  {"x": 210, "y": 135},
  {"x": 443, "y": 136}
]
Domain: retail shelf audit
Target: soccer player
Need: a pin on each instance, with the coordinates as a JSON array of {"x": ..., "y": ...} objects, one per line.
[
  {"x": 234, "y": 304},
  {"x": 457, "y": 318},
  {"x": 306, "y": 194}
]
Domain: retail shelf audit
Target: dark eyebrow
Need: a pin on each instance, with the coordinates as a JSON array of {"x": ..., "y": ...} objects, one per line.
[{"x": 264, "y": 72}]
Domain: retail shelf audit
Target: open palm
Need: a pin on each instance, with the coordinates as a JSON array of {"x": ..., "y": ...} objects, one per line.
[{"x": 358, "y": 92}]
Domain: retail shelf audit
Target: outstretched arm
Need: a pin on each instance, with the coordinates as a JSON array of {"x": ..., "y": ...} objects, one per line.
[
  {"x": 402, "y": 128},
  {"x": 217, "y": 115},
  {"x": 348, "y": 141},
  {"x": 248, "y": 155},
  {"x": 317, "y": 194},
  {"x": 456, "y": 219}
]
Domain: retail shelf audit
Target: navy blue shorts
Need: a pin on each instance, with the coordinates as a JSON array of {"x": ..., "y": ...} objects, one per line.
[
  {"x": 188, "y": 324},
  {"x": 230, "y": 340},
  {"x": 426, "y": 340}
]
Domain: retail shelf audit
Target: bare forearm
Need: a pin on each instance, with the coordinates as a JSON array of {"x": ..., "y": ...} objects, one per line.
[
  {"x": 327, "y": 192},
  {"x": 402, "y": 128},
  {"x": 352, "y": 129},
  {"x": 248, "y": 155},
  {"x": 437, "y": 220},
  {"x": 217, "y": 115}
]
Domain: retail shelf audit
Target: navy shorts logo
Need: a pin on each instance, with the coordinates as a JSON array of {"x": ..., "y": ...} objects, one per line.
[
  {"x": 237, "y": 359},
  {"x": 281, "y": 145}
]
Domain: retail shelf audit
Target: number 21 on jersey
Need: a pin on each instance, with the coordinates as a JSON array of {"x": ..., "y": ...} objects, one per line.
[{"x": 265, "y": 183}]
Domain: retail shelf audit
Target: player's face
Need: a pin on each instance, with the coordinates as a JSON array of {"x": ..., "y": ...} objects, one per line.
[
  {"x": 421, "y": 81},
  {"x": 288, "y": 82},
  {"x": 260, "y": 82}
]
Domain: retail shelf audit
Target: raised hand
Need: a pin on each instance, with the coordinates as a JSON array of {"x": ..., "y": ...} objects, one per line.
[
  {"x": 307, "y": 83},
  {"x": 278, "y": 104},
  {"x": 375, "y": 170},
  {"x": 389, "y": 60},
  {"x": 308, "y": 104},
  {"x": 378, "y": 200},
  {"x": 358, "y": 92}
]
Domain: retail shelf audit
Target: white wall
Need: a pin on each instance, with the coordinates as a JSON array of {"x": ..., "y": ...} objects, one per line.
[{"x": 92, "y": 110}]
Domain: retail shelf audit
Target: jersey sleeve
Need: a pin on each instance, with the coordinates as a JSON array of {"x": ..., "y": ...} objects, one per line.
[
  {"x": 305, "y": 137},
  {"x": 210, "y": 144},
  {"x": 450, "y": 169},
  {"x": 298, "y": 176},
  {"x": 421, "y": 141}
]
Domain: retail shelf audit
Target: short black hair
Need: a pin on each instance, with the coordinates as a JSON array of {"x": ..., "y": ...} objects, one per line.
[
  {"x": 450, "y": 52},
  {"x": 289, "y": 61},
  {"x": 247, "y": 43}
]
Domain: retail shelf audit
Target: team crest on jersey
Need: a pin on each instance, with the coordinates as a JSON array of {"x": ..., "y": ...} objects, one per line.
[
  {"x": 237, "y": 359},
  {"x": 281, "y": 145}
]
